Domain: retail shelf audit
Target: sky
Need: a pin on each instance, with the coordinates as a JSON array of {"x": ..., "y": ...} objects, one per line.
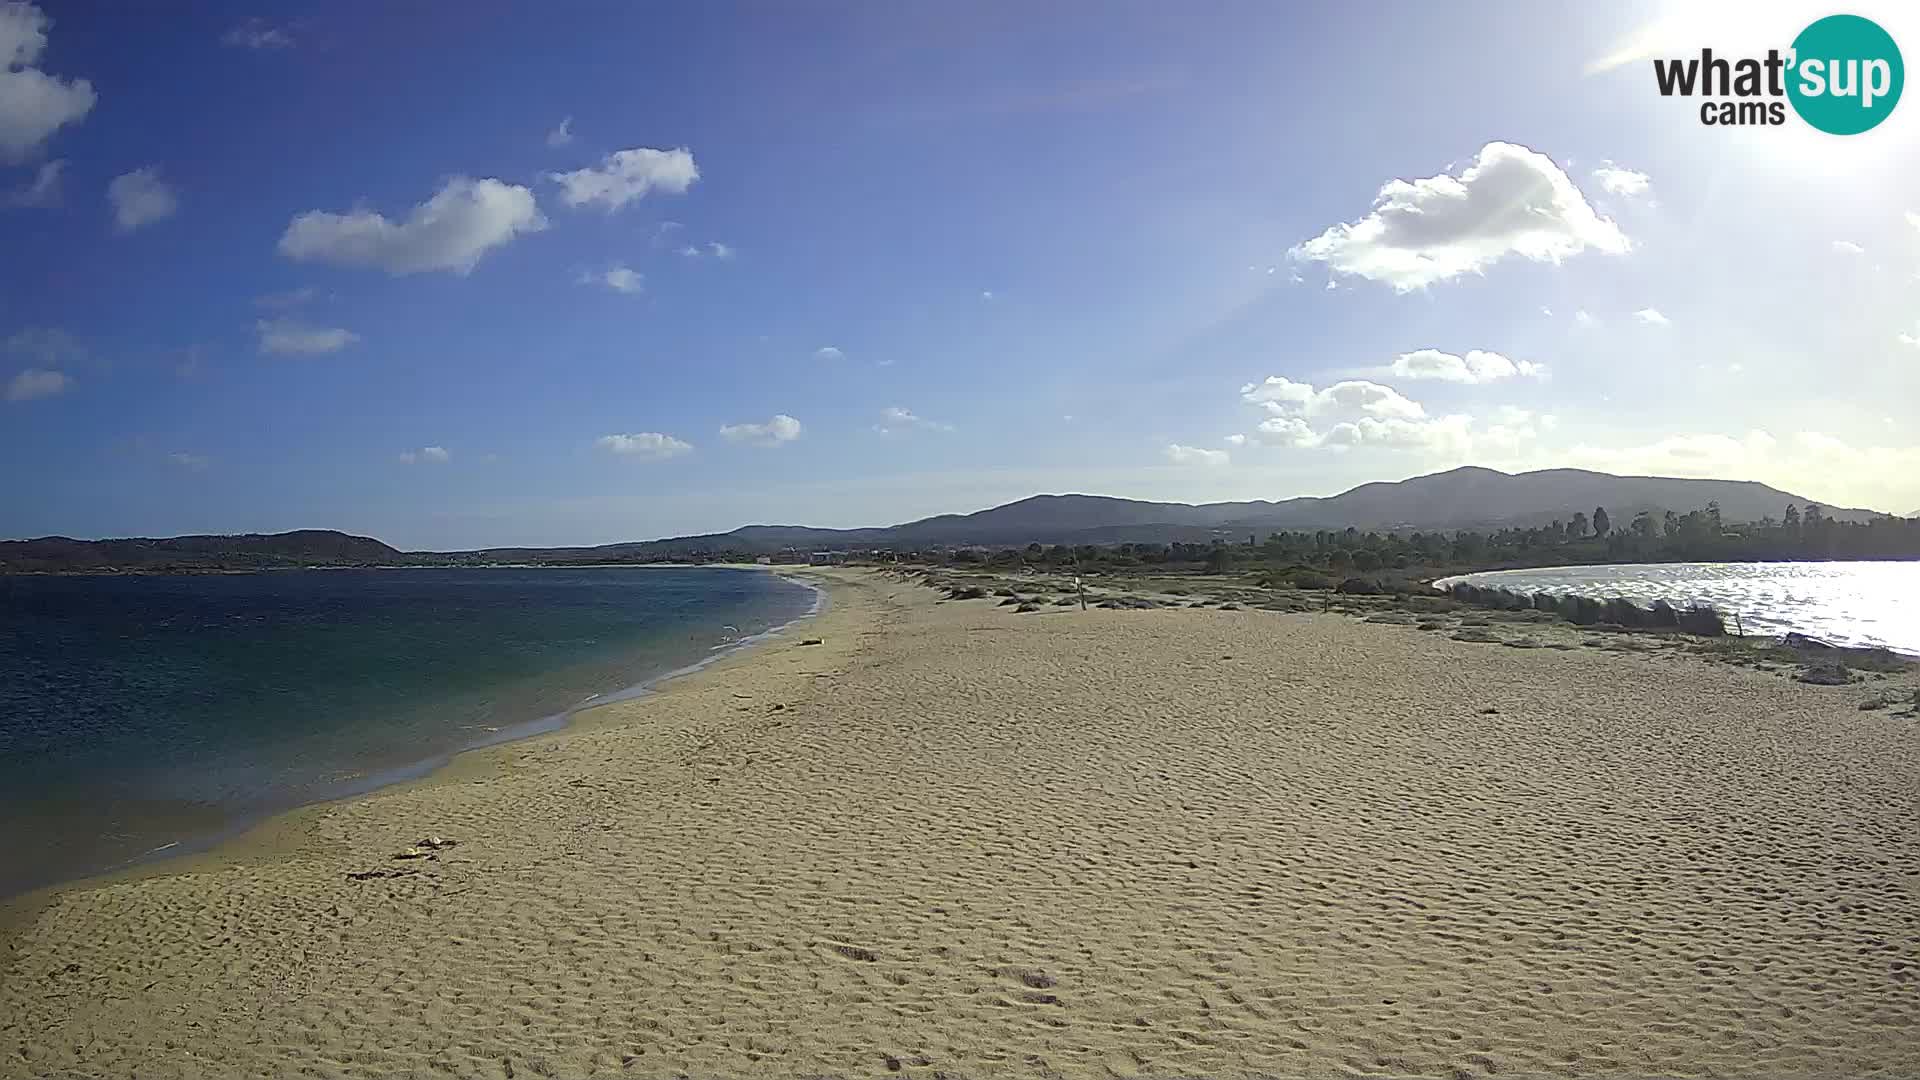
[{"x": 491, "y": 274}]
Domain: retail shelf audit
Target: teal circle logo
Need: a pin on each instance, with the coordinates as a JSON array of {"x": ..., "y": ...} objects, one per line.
[{"x": 1846, "y": 75}]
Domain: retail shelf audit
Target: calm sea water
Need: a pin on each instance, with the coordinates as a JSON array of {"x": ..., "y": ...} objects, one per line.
[
  {"x": 150, "y": 714},
  {"x": 1847, "y": 603}
]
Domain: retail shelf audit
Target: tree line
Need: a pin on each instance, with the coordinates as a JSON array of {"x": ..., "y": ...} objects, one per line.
[{"x": 1800, "y": 533}]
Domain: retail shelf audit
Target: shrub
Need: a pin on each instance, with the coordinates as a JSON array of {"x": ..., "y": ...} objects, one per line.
[
  {"x": 1623, "y": 612},
  {"x": 1544, "y": 602},
  {"x": 971, "y": 592},
  {"x": 1359, "y": 586},
  {"x": 1662, "y": 614},
  {"x": 1307, "y": 579},
  {"x": 1701, "y": 620}
]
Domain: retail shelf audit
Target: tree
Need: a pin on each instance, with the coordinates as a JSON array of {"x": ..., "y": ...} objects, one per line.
[
  {"x": 1601, "y": 526},
  {"x": 1577, "y": 528},
  {"x": 1643, "y": 525},
  {"x": 1219, "y": 560},
  {"x": 1791, "y": 521}
]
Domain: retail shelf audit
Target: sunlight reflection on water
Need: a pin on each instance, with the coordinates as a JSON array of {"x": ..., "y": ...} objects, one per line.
[{"x": 1847, "y": 603}]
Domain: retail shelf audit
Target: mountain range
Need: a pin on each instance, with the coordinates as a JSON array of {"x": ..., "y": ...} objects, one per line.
[{"x": 1463, "y": 498}]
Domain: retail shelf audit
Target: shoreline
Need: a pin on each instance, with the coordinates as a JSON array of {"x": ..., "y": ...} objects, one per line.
[
  {"x": 165, "y": 859},
  {"x": 954, "y": 838}
]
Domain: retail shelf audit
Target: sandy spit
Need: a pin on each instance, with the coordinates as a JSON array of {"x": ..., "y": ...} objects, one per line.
[{"x": 952, "y": 840}]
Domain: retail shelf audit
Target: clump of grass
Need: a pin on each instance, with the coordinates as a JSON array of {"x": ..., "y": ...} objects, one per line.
[
  {"x": 1028, "y": 606},
  {"x": 1065, "y": 601},
  {"x": 1478, "y": 635},
  {"x": 970, "y": 592},
  {"x": 1004, "y": 592}
]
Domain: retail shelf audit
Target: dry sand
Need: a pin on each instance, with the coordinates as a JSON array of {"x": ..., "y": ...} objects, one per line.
[{"x": 955, "y": 840}]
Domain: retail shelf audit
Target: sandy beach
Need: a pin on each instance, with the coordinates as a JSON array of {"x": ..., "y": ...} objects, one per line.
[{"x": 949, "y": 840}]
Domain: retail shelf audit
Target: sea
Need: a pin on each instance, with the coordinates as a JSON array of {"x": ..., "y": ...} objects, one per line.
[
  {"x": 1843, "y": 603},
  {"x": 143, "y": 716}
]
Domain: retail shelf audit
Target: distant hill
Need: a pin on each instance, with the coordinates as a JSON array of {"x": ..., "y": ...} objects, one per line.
[
  {"x": 1464, "y": 498},
  {"x": 306, "y": 547}
]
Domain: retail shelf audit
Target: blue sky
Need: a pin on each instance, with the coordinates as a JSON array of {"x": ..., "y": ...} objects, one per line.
[{"x": 342, "y": 266}]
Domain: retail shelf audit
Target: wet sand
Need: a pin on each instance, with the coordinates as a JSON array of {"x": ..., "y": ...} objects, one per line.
[{"x": 954, "y": 840}]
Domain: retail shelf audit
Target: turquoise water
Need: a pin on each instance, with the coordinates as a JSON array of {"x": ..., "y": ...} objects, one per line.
[
  {"x": 1846, "y": 603},
  {"x": 148, "y": 715}
]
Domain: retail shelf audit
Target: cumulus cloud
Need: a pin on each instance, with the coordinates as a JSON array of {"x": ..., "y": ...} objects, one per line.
[
  {"x": 618, "y": 277},
  {"x": 286, "y": 337},
  {"x": 1235, "y": 440},
  {"x": 1477, "y": 366},
  {"x": 1365, "y": 414},
  {"x": 450, "y": 231},
  {"x": 428, "y": 455},
  {"x": 780, "y": 429},
  {"x": 1194, "y": 455},
  {"x": 1617, "y": 181},
  {"x": 563, "y": 134},
  {"x": 828, "y": 352},
  {"x": 1510, "y": 201},
  {"x": 626, "y": 175},
  {"x": 1652, "y": 317},
  {"x": 33, "y": 104},
  {"x": 37, "y": 383},
  {"x": 140, "y": 198},
  {"x": 719, "y": 250},
  {"x": 646, "y": 445},
  {"x": 1912, "y": 339},
  {"x": 257, "y": 33},
  {"x": 42, "y": 190},
  {"x": 1585, "y": 320},
  {"x": 1282, "y": 396},
  {"x": 1848, "y": 247},
  {"x": 894, "y": 418}
]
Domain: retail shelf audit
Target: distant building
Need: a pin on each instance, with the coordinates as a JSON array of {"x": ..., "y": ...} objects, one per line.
[
  {"x": 765, "y": 560},
  {"x": 824, "y": 558}
]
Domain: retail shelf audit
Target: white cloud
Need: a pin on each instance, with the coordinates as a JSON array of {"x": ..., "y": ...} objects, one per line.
[
  {"x": 618, "y": 277},
  {"x": 284, "y": 336},
  {"x": 828, "y": 353},
  {"x": 1652, "y": 317},
  {"x": 140, "y": 198},
  {"x": 1194, "y": 455},
  {"x": 33, "y": 104},
  {"x": 1848, "y": 247},
  {"x": 1510, "y": 201},
  {"x": 1585, "y": 320},
  {"x": 184, "y": 460},
  {"x": 1288, "y": 431},
  {"x": 257, "y": 33},
  {"x": 1617, "y": 181},
  {"x": 290, "y": 299},
  {"x": 780, "y": 429},
  {"x": 626, "y": 175},
  {"x": 1235, "y": 440},
  {"x": 986, "y": 294},
  {"x": 1477, "y": 366},
  {"x": 451, "y": 231},
  {"x": 561, "y": 135},
  {"x": 690, "y": 251},
  {"x": 894, "y": 418},
  {"x": 37, "y": 383},
  {"x": 1282, "y": 396},
  {"x": 42, "y": 190},
  {"x": 646, "y": 445},
  {"x": 1912, "y": 339},
  {"x": 719, "y": 250},
  {"x": 430, "y": 455},
  {"x": 1441, "y": 434},
  {"x": 1913, "y": 219}
]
